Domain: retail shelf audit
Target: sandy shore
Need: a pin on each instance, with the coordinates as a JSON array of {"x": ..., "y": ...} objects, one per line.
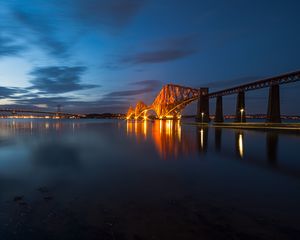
[{"x": 48, "y": 217}]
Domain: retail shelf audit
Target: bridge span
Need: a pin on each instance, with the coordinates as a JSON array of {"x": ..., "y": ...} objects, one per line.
[
  {"x": 48, "y": 113},
  {"x": 172, "y": 99}
]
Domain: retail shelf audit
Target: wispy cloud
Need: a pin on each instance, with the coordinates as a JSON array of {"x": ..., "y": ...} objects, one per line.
[
  {"x": 161, "y": 51},
  {"x": 58, "y": 79},
  {"x": 111, "y": 14},
  {"x": 165, "y": 55},
  {"x": 8, "y": 47},
  {"x": 40, "y": 23},
  {"x": 146, "y": 86},
  {"x": 6, "y": 92},
  {"x": 42, "y": 31}
]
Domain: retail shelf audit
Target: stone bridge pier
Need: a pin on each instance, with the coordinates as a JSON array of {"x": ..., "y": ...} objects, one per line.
[
  {"x": 273, "y": 115},
  {"x": 203, "y": 106},
  {"x": 240, "y": 112}
]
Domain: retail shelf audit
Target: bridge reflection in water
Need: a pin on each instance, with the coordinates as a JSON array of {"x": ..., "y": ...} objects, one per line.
[
  {"x": 41, "y": 126},
  {"x": 172, "y": 140},
  {"x": 167, "y": 136}
]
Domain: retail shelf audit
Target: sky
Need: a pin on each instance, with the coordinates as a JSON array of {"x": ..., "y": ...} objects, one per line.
[{"x": 95, "y": 56}]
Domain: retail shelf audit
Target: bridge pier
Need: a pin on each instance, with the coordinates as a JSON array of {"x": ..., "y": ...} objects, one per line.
[
  {"x": 240, "y": 114},
  {"x": 219, "y": 110},
  {"x": 273, "y": 115},
  {"x": 203, "y": 106}
]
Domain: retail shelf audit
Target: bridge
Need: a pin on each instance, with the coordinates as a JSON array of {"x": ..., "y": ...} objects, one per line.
[
  {"x": 172, "y": 99},
  {"x": 57, "y": 114}
]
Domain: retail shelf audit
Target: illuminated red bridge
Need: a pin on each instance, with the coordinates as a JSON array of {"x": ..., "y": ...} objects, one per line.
[{"x": 172, "y": 99}]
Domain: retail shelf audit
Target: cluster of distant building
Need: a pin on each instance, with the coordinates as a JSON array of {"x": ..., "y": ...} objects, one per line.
[{"x": 123, "y": 116}]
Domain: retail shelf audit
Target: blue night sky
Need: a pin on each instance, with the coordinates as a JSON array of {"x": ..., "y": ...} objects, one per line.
[{"x": 103, "y": 55}]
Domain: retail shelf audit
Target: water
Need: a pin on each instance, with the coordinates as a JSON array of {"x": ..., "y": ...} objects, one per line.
[{"x": 112, "y": 179}]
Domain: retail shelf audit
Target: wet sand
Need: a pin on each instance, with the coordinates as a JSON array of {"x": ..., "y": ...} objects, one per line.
[{"x": 48, "y": 217}]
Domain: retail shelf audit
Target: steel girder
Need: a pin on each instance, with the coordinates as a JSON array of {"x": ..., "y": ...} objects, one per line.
[
  {"x": 172, "y": 99},
  {"x": 278, "y": 80}
]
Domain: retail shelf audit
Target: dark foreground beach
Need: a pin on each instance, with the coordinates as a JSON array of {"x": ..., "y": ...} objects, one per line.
[
  {"x": 155, "y": 180},
  {"x": 173, "y": 218}
]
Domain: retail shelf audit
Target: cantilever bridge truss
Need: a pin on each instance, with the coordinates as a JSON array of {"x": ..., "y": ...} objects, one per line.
[
  {"x": 172, "y": 99},
  {"x": 169, "y": 103}
]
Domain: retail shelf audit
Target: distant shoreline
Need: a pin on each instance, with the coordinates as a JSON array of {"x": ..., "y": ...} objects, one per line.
[{"x": 123, "y": 116}]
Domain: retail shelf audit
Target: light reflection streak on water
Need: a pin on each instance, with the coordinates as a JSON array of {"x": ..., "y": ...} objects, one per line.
[
  {"x": 169, "y": 125},
  {"x": 128, "y": 125},
  {"x": 241, "y": 145},
  {"x": 160, "y": 126},
  {"x": 179, "y": 131},
  {"x": 135, "y": 126},
  {"x": 145, "y": 128},
  {"x": 169, "y": 139},
  {"x": 201, "y": 138}
]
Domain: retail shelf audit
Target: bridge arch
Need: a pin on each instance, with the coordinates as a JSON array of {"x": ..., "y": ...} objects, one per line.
[{"x": 169, "y": 102}]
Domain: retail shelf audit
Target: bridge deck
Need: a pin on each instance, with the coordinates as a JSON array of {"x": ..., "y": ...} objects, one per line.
[
  {"x": 278, "y": 80},
  {"x": 37, "y": 112}
]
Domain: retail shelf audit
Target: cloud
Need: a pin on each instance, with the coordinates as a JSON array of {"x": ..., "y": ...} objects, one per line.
[
  {"x": 129, "y": 92},
  {"x": 113, "y": 14},
  {"x": 42, "y": 29},
  {"x": 161, "y": 51},
  {"x": 56, "y": 25},
  {"x": 147, "y": 86},
  {"x": 152, "y": 83},
  {"x": 157, "y": 56},
  {"x": 49, "y": 101},
  {"x": 58, "y": 79},
  {"x": 24, "y": 99},
  {"x": 8, "y": 47},
  {"x": 6, "y": 92},
  {"x": 72, "y": 105}
]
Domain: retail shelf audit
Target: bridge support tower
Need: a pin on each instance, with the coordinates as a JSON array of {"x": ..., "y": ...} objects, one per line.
[
  {"x": 203, "y": 106},
  {"x": 273, "y": 115},
  {"x": 219, "y": 110},
  {"x": 240, "y": 113}
]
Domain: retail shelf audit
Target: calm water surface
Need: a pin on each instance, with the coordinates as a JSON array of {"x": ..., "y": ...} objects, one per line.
[{"x": 109, "y": 179}]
